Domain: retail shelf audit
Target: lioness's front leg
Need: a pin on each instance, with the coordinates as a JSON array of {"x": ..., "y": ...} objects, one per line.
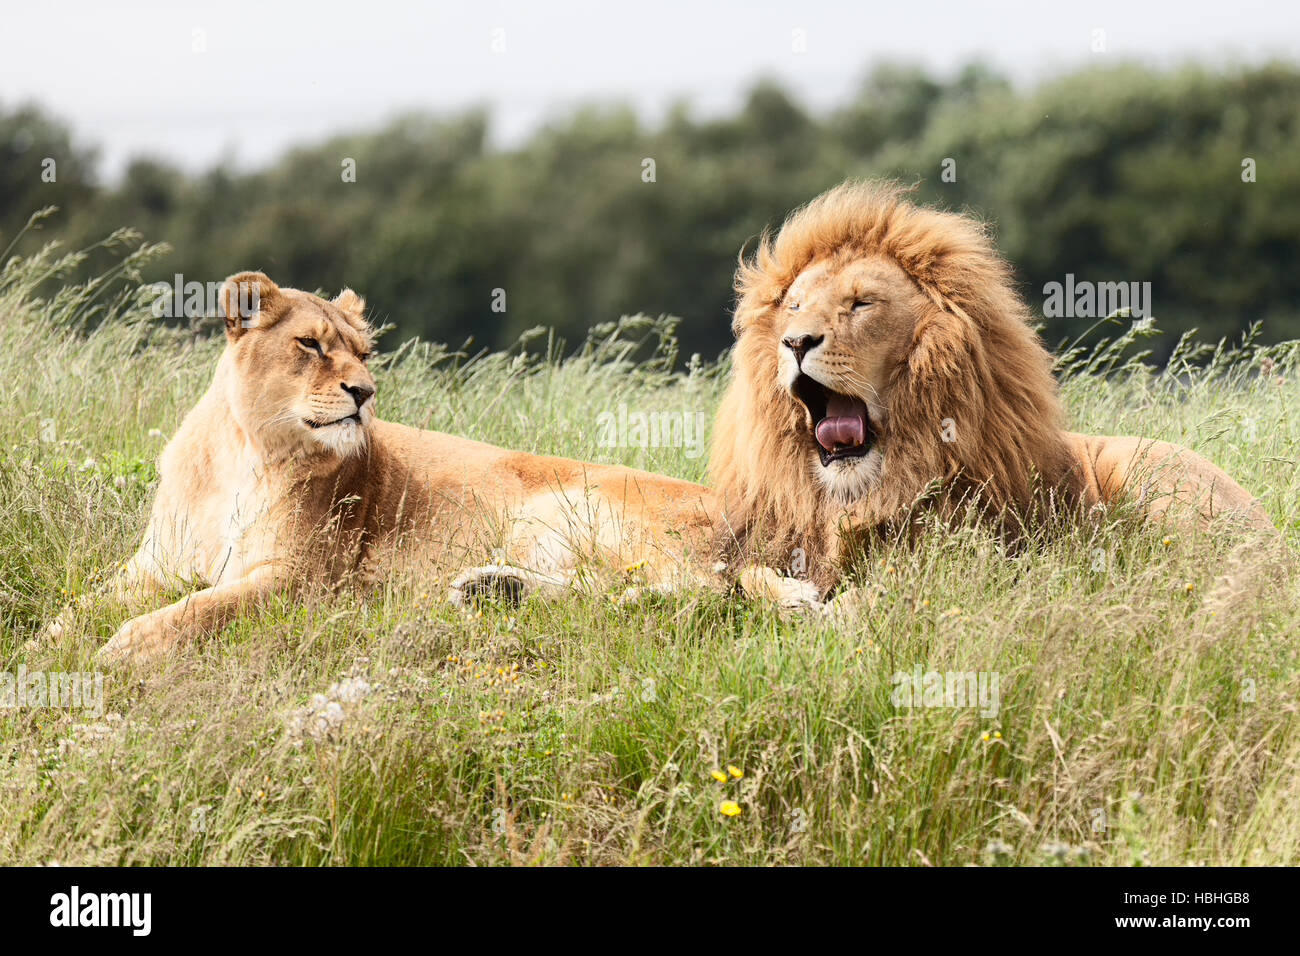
[{"x": 193, "y": 615}]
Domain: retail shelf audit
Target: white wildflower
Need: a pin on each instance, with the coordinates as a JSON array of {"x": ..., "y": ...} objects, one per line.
[{"x": 325, "y": 714}]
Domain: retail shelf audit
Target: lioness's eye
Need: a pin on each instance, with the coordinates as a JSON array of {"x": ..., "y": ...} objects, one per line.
[
  {"x": 794, "y": 306},
  {"x": 313, "y": 345},
  {"x": 862, "y": 304}
]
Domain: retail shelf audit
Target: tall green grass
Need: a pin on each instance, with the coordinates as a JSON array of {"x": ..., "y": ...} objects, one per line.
[{"x": 1148, "y": 699}]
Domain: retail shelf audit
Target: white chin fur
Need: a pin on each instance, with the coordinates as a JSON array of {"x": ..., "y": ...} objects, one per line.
[
  {"x": 849, "y": 479},
  {"x": 344, "y": 438}
]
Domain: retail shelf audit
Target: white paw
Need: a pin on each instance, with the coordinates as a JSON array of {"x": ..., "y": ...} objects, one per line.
[
  {"x": 116, "y": 649},
  {"x": 139, "y": 639},
  {"x": 789, "y": 593},
  {"x": 502, "y": 582},
  {"x": 853, "y": 604}
]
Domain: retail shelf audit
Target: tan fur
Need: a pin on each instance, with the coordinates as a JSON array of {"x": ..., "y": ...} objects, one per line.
[
  {"x": 252, "y": 500},
  {"x": 920, "y": 320}
]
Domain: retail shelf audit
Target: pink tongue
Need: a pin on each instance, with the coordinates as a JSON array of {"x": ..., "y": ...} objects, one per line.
[{"x": 845, "y": 423}]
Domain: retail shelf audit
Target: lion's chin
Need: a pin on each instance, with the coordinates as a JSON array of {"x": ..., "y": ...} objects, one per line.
[
  {"x": 847, "y": 480},
  {"x": 343, "y": 438}
]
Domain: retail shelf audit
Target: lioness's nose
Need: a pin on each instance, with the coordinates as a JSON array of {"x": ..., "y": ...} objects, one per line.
[
  {"x": 358, "y": 392},
  {"x": 801, "y": 345}
]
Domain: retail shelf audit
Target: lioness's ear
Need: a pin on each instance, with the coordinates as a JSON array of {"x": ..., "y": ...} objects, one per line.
[
  {"x": 353, "y": 308},
  {"x": 248, "y": 300}
]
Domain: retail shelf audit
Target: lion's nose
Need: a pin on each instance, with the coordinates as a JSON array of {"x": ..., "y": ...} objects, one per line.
[
  {"x": 801, "y": 345},
  {"x": 359, "y": 393}
]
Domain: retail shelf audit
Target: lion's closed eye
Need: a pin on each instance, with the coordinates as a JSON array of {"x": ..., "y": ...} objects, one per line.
[{"x": 311, "y": 345}]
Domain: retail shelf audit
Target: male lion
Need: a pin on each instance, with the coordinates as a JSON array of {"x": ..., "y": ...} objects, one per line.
[
  {"x": 883, "y": 358},
  {"x": 282, "y": 476}
]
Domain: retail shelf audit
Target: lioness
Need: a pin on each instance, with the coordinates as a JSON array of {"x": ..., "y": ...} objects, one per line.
[{"x": 282, "y": 475}]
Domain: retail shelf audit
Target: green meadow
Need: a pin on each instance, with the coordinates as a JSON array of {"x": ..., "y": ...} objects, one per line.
[{"x": 1146, "y": 712}]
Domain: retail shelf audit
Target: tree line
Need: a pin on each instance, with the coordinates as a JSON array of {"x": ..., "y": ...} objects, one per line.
[{"x": 1181, "y": 182}]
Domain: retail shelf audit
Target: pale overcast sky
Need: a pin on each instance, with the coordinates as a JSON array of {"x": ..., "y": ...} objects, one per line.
[{"x": 129, "y": 79}]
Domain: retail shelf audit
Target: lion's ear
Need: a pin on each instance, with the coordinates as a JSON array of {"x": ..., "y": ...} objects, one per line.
[
  {"x": 248, "y": 300},
  {"x": 353, "y": 308}
]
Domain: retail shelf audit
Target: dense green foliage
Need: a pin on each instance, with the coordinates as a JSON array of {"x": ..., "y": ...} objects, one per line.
[{"x": 1121, "y": 174}]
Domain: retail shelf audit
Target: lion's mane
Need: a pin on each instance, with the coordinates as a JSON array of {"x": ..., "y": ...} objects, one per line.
[{"x": 975, "y": 359}]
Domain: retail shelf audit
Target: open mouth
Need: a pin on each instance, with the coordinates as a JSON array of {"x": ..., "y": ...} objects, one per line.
[
  {"x": 354, "y": 417},
  {"x": 841, "y": 425}
]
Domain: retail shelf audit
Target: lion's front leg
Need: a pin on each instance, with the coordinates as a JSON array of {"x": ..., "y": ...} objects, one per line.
[{"x": 192, "y": 616}]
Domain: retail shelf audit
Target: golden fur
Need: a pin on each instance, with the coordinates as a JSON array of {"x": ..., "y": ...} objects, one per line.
[
  {"x": 282, "y": 476},
  {"x": 917, "y": 326}
]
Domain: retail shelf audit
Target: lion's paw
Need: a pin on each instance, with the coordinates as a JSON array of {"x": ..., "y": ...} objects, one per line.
[
  {"x": 502, "y": 582},
  {"x": 789, "y": 593},
  {"x": 138, "y": 640},
  {"x": 853, "y": 604}
]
